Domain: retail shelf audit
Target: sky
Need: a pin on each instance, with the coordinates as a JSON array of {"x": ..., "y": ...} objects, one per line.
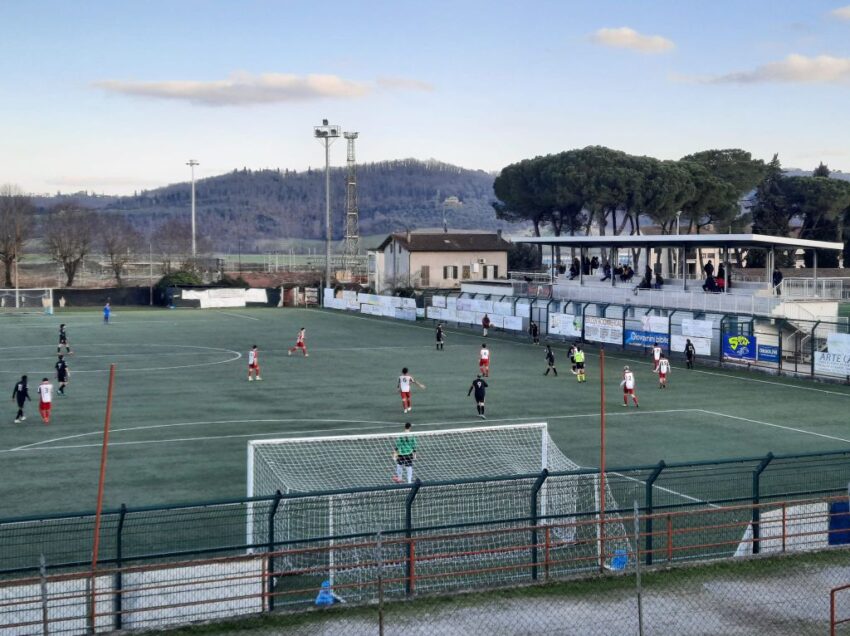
[{"x": 116, "y": 97}]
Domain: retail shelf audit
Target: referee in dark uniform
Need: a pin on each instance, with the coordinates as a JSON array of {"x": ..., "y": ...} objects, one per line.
[{"x": 479, "y": 386}]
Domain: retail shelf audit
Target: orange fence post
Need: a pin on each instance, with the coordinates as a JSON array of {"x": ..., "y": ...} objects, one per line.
[
  {"x": 669, "y": 538},
  {"x": 547, "y": 536}
]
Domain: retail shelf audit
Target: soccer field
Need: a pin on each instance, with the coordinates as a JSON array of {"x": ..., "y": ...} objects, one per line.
[{"x": 184, "y": 411}]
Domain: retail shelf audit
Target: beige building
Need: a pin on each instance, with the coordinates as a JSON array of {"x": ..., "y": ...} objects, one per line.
[{"x": 437, "y": 259}]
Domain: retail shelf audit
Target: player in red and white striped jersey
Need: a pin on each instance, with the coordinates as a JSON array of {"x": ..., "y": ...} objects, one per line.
[
  {"x": 657, "y": 352},
  {"x": 663, "y": 372},
  {"x": 300, "y": 343},
  {"x": 404, "y": 382},
  {"x": 45, "y": 400},
  {"x": 628, "y": 385},
  {"x": 254, "y": 363},
  {"x": 484, "y": 361}
]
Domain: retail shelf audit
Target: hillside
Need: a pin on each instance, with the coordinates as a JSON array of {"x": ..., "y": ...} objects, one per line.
[{"x": 267, "y": 205}]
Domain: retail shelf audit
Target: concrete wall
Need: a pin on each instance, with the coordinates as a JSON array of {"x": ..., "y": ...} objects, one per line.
[{"x": 435, "y": 261}]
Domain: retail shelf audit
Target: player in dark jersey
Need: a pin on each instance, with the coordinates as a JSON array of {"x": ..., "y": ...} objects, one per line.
[
  {"x": 63, "y": 341},
  {"x": 441, "y": 337},
  {"x": 690, "y": 353},
  {"x": 550, "y": 361},
  {"x": 534, "y": 332},
  {"x": 62, "y": 374},
  {"x": 21, "y": 394},
  {"x": 479, "y": 386}
]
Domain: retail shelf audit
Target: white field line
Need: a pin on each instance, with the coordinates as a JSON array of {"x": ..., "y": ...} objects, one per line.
[
  {"x": 235, "y": 315},
  {"x": 786, "y": 428},
  {"x": 235, "y": 355},
  {"x": 374, "y": 424}
]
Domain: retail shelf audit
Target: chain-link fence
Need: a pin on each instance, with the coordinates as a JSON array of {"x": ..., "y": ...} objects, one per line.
[
  {"x": 384, "y": 584},
  {"x": 790, "y": 342}
]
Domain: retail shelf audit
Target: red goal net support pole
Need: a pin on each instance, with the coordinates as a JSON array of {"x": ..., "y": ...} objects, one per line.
[
  {"x": 97, "y": 517},
  {"x": 601, "y": 459}
]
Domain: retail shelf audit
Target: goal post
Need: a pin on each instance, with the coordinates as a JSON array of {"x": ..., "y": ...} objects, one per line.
[
  {"x": 475, "y": 496},
  {"x": 27, "y": 301}
]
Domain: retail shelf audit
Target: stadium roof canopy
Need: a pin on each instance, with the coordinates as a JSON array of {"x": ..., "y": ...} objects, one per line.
[{"x": 761, "y": 241}]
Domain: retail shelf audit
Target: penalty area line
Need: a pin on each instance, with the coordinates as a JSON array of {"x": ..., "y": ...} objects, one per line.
[
  {"x": 372, "y": 425},
  {"x": 780, "y": 426},
  {"x": 235, "y": 315}
]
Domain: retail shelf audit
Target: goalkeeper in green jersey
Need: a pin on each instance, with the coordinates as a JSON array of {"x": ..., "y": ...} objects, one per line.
[{"x": 404, "y": 454}]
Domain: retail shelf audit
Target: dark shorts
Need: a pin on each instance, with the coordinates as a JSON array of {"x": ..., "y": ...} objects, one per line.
[
  {"x": 63, "y": 341},
  {"x": 404, "y": 460},
  {"x": 479, "y": 397},
  {"x": 579, "y": 365},
  {"x": 62, "y": 377}
]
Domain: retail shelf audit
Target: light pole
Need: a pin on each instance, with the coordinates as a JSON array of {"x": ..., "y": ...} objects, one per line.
[
  {"x": 192, "y": 163},
  {"x": 327, "y": 132},
  {"x": 679, "y": 256}
]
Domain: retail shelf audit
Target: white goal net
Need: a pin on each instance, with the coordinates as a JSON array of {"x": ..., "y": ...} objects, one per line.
[
  {"x": 469, "y": 519},
  {"x": 26, "y": 301}
]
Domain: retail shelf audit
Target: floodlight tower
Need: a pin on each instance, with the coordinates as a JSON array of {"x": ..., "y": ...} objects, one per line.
[
  {"x": 328, "y": 133},
  {"x": 192, "y": 163},
  {"x": 352, "y": 230}
]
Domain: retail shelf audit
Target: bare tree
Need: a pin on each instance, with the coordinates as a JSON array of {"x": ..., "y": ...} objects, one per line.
[
  {"x": 16, "y": 215},
  {"x": 120, "y": 242},
  {"x": 69, "y": 237},
  {"x": 173, "y": 241}
]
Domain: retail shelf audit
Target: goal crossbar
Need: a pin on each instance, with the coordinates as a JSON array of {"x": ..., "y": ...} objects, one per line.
[{"x": 541, "y": 426}]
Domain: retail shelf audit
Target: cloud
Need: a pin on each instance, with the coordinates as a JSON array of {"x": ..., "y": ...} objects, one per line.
[
  {"x": 794, "y": 69},
  {"x": 403, "y": 83},
  {"x": 842, "y": 13},
  {"x": 626, "y": 38},
  {"x": 241, "y": 89}
]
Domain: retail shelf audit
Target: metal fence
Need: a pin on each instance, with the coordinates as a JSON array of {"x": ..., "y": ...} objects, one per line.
[
  {"x": 800, "y": 595},
  {"x": 180, "y": 563},
  {"x": 796, "y": 345}
]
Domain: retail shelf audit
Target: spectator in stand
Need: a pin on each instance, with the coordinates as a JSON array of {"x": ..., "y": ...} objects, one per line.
[
  {"x": 594, "y": 264},
  {"x": 710, "y": 285},
  {"x": 777, "y": 280},
  {"x": 606, "y": 270},
  {"x": 709, "y": 269},
  {"x": 721, "y": 271},
  {"x": 574, "y": 269},
  {"x": 628, "y": 273},
  {"x": 659, "y": 281},
  {"x": 586, "y": 266}
]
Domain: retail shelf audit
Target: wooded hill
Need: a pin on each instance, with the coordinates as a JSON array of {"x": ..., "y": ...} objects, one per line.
[{"x": 253, "y": 205}]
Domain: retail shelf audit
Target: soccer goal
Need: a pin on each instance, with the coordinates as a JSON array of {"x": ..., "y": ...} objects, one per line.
[
  {"x": 30, "y": 301},
  {"x": 469, "y": 516}
]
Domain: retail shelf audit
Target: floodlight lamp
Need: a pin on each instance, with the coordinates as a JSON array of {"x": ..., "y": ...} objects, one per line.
[{"x": 326, "y": 130}]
